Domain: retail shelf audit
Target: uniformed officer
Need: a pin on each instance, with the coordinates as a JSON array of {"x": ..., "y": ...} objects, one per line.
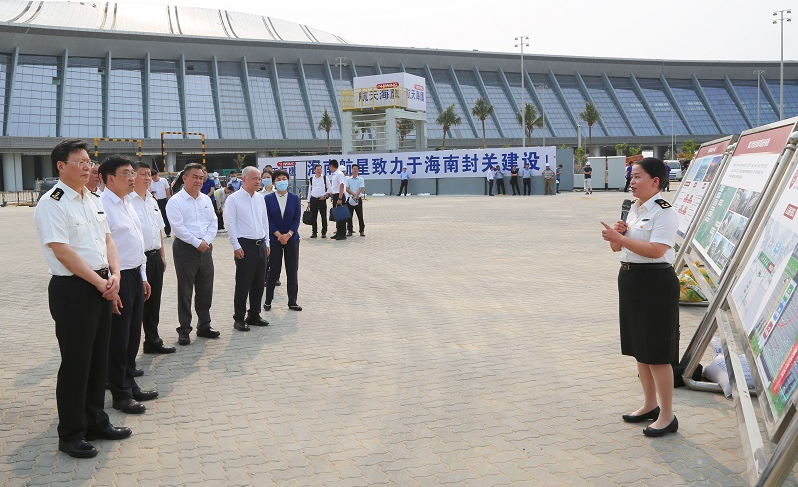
[
  {"x": 649, "y": 294},
  {"x": 117, "y": 173},
  {"x": 71, "y": 226}
]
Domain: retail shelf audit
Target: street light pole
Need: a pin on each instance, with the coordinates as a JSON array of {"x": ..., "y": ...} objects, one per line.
[
  {"x": 543, "y": 110},
  {"x": 781, "y": 82},
  {"x": 340, "y": 65},
  {"x": 758, "y": 73},
  {"x": 521, "y": 43}
]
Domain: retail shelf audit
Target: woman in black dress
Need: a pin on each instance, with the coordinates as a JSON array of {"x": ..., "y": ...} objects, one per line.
[{"x": 648, "y": 292}]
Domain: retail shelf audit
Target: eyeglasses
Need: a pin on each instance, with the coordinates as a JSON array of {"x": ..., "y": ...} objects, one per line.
[
  {"x": 125, "y": 175},
  {"x": 82, "y": 163}
]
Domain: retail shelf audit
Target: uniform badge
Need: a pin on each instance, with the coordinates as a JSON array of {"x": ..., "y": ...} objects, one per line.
[
  {"x": 57, "y": 194},
  {"x": 662, "y": 203}
]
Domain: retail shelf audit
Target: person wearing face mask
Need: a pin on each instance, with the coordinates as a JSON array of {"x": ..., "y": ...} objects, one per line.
[
  {"x": 285, "y": 212},
  {"x": 648, "y": 292},
  {"x": 266, "y": 185},
  {"x": 318, "y": 200},
  {"x": 234, "y": 181}
]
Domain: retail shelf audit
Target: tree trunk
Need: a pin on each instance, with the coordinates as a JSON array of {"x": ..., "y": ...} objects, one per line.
[
  {"x": 328, "y": 142},
  {"x": 484, "y": 140},
  {"x": 443, "y": 144},
  {"x": 590, "y": 137}
]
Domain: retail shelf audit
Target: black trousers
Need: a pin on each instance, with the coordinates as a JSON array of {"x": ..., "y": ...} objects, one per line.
[
  {"x": 126, "y": 336},
  {"x": 359, "y": 211},
  {"x": 514, "y": 185},
  {"x": 194, "y": 270},
  {"x": 291, "y": 253},
  {"x": 152, "y": 306},
  {"x": 219, "y": 216},
  {"x": 317, "y": 206},
  {"x": 490, "y": 187},
  {"x": 162, "y": 205},
  {"x": 250, "y": 278},
  {"x": 340, "y": 227},
  {"x": 500, "y": 186},
  {"x": 527, "y": 186},
  {"x": 402, "y": 186},
  {"x": 82, "y": 326},
  {"x": 626, "y": 186}
]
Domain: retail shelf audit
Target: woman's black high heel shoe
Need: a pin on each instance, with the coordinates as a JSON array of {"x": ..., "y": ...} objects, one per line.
[
  {"x": 671, "y": 428},
  {"x": 649, "y": 416}
]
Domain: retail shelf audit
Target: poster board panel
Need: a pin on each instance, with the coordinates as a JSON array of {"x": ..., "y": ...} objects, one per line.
[
  {"x": 737, "y": 195},
  {"x": 697, "y": 181},
  {"x": 765, "y": 300}
]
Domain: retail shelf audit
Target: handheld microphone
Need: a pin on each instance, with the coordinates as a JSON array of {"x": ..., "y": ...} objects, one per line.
[{"x": 625, "y": 207}]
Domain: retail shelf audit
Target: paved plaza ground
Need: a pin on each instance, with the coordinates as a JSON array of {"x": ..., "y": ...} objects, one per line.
[{"x": 465, "y": 341}]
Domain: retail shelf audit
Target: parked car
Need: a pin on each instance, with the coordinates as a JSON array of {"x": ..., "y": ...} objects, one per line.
[{"x": 676, "y": 170}]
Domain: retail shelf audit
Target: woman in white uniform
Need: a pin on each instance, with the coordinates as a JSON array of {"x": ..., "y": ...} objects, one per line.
[{"x": 648, "y": 292}]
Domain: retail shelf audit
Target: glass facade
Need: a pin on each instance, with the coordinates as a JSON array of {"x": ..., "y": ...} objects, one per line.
[
  {"x": 264, "y": 105},
  {"x": 83, "y": 97},
  {"x": 200, "y": 106},
  {"x": 233, "y": 102},
  {"x": 137, "y": 98},
  {"x": 166, "y": 114},
  {"x": 729, "y": 116},
  {"x": 126, "y": 113},
  {"x": 34, "y": 105}
]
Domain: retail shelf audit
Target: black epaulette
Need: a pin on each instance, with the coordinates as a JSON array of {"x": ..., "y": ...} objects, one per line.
[
  {"x": 95, "y": 194},
  {"x": 662, "y": 203},
  {"x": 57, "y": 194}
]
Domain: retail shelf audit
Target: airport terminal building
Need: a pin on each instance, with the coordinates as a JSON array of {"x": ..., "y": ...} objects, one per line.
[{"x": 258, "y": 86}]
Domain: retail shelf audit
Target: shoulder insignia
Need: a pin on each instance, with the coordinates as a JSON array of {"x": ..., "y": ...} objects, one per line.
[
  {"x": 57, "y": 194},
  {"x": 662, "y": 203},
  {"x": 95, "y": 194}
]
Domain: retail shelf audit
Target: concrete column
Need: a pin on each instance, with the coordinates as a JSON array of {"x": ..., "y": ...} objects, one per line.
[
  {"x": 28, "y": 164},
  {"x": 171, "y": 161},
  {"x": 346, "y": 133},
  {"x": 12, "y": 172},
  {"x": 47, "y": 167},
  {"x": 391, "y": 137}
]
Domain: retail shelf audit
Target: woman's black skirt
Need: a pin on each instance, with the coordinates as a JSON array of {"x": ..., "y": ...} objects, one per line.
[{"x": 649, "y": 314}]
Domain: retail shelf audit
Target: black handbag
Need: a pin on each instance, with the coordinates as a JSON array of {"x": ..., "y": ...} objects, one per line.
[
  {"x": 331, "y": 217},
  {"x": 307, "y": 216}
]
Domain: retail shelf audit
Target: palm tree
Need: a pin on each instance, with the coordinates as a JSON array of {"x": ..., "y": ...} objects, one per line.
[
  {"x": 530, "y": 118},
  {"x": 404, "y": 127},
  {"x": 448, "y": 118},
  {"x": 482, "y": 111},
  {"x": 326, "y": 124},
  {"x": 591, "y": 115}
]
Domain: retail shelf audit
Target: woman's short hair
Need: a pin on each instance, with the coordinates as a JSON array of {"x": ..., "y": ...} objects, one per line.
[{"x": 656, "y": 169}]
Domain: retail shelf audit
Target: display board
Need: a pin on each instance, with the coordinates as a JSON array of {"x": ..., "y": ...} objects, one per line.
[
  {"x": 697, "y": 180},
  {"x": 766, "y": 302},
  {"x": 737, "y": 194}
]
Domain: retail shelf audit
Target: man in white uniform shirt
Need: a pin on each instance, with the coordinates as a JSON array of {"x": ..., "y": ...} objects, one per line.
[
  {"x": 161, "y": 190},
  {"x": 336, "y": 189},
  {"x": 82, "y": 257},
  {"x": 248, "y": 230},
  {"x": 118, "y": 175},
  {"x": 194, "y": 223},
  {"x": 318, "y": 201},
  {"x": 152, "y": 225}
]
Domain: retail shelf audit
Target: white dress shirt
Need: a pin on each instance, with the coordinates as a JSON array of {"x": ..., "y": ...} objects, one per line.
[
  {"x": 126, "y": 231},
  {"x": 650, "y": 222},
  {"x": 245, "y": 217},
  {"x": 63, "y": 216},
  {"x": 318, "y": 186},
  {"x": 192, "y": 219},
  {"x": 336, "y": 180},
  {"x": 159, "y": 187},
  {"x": 151, "y": 219}
]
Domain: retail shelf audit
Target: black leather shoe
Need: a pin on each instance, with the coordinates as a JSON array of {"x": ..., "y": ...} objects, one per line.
[
  {"x": 240, "y": 326},
  {"x": 323, "y": 235},
  {"x": 183, "y": 338},
  {"x": 130, "y": 406},
  {"x": 649, "y": 416},
  {"x": 349, "y": 234},
  {"x": 209, "y": 333},
  {"x": 256, "y": 321},
  {"x": 343, "y": 237},
  {"x": 362, "y": 234},
  {"x": 140, "y": 395},
  {"x": 110, "y": 433},
  {"x": 137, "y": 372},
  {"x": 313, "y": 235},
  {"x": 149, "y": 348},
  {"x": 77, "y": 449},
  {"x": 267, "y": 306},
  {"x": 671, "y": 428},
  {"x": 295, "y": 307}
]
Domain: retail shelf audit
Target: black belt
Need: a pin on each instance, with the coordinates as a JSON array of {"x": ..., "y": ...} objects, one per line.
[
  {"x": 135, "y": 269},
  {"x": 150, "y": 253},
  {"x": 102, "y": 272},
  {"x": 259, "y": 241},
  {"x": 631, "y": 266}
]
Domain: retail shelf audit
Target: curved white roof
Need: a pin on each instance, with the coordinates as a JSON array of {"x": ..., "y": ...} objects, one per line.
[{"x": 160, "y": 19}]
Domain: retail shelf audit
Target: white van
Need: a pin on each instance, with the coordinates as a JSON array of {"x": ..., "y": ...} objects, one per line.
[{"x": 676, "y": 169}]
